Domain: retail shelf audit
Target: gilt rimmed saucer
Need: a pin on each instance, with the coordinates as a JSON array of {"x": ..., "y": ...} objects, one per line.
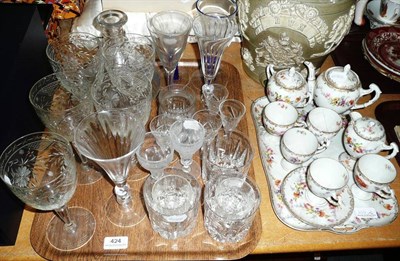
[{"x": 310, "y": 209}]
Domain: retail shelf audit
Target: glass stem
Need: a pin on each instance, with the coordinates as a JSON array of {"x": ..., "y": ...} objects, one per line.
[
  {"x": 186, "y": 165},
  {"x": 170, "y": 76},
  {"x": 123, "y": 193},
  {"x": 63, "y": 214}
]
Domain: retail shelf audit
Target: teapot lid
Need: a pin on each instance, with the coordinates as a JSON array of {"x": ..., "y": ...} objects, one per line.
[
  {"x": 342, "y": 78},
  {"x": 290, "y": 79},
  {"x": 369, "y": 129}
]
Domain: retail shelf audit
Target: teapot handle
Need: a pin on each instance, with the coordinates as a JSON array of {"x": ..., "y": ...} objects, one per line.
[
  {"x": 269, "y": 70},
  {"x": 372, "y": 88},
  {"x": 392, "y": 146}
]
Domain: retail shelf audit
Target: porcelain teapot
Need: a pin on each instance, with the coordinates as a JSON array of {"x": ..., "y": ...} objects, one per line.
[
  {"x": 339, "y": 89},
  {"x": 365, "y": 135},
  {"x": 289, "y": 85}
]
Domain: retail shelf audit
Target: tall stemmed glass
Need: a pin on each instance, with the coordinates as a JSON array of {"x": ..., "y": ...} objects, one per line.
[
  {"x": 214, "y": 32},
  {"x": 111, "y": 138},
  {"x": 61, "y": 111},
  {"x": 155, "y": 154},
  {"x": 169, "y": 31},
  {"x": 39, "y": 168},
  {"x": 187, "y": 137}
]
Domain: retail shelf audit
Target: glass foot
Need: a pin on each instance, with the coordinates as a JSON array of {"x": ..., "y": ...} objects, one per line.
[
  {"x": 126, "y": 216},
  {"x": 195, "y": 169},
  {"x": 63, "y": 240},
  {"x": 87, "y": 174}
]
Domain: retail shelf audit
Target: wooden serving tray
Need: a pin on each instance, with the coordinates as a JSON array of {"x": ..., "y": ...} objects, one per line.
[{"x": 143, "y": 242}]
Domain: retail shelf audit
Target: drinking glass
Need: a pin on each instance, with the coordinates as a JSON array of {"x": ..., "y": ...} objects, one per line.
[
  {"x": 231, "y": 112},
  {"x": 111, "y": 138},
  {"x": 154, "y": 154},
  {"x": 169, "y": 31},
  {"x": 132, "y": 93},
  {"x": 39, "y": 168},
  {"x": 230, "y": 205},
  {"x": 211, "y": 122},
  {"x": 177, "y": 101},
  {"x": 217, "y": 8},
  {"x": 172, "y": 202},
  {"x": 61, "y": 111},
  {"x": 187, "y": 137},
  {"x": 74, "y": 55},
  {"x": 213, "y": 35},
  {"x": 213, "y": 99}
]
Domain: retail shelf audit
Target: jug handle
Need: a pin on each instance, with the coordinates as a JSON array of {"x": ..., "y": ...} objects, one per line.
[{"x": 372, "y": 88}]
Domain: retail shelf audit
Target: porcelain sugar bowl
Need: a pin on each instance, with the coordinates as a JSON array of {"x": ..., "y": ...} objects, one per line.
[
  {"x": 289, "y": 85},
  {"x": 339, "y": 89},
  {"x": 364, "y": 135}
]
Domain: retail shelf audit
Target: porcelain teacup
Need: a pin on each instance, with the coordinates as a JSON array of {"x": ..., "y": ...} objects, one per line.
[
  {"x": 324, "y": 123},
  {"x": 372, "y": 174},
  {"x": 280, "y": 116},
  {"x": 326, "y": 178},
  {"x": 297, "y": 146},
  {"x": 390, "y": 11}
]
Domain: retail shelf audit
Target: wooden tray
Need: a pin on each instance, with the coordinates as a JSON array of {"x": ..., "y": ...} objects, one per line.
[{"x": 143, "y": 242}]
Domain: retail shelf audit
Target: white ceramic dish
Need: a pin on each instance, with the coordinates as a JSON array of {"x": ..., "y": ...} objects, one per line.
[{"x": 384, "y": 210}]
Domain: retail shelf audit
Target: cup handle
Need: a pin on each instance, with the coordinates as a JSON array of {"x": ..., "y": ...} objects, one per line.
[
  {"x": 334, "y": 201},
  {"x": 392, "y": 146},
  {"x": 372, "y": 88},
  {"x": 385, "y": 192},
  {"x": 301, "y": 123}
]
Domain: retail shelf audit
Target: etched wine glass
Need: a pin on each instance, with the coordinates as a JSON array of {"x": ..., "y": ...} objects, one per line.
[
  {"x": 61, "y": 111},
  {"x": 213, "y": 34},
  {"x": 169, "y": 31},
  {"x": 187, "y": 137},
  {"x": 39, "y": 168},
  {"x": 111, "y": 138},
  {"x": 231, "y": 112},
  {"x": 155, "y": 154}
]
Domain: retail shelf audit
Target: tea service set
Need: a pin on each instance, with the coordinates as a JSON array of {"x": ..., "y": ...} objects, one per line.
[{"x": 324, "y": 160}]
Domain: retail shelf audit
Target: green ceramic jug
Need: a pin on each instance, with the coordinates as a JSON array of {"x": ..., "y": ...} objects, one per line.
[{"x": 286, "y": 33}]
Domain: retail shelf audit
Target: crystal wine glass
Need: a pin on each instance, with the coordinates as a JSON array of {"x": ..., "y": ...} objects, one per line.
[
  {"x": 74, "y": 56},
  {"x": 154, "y": 154},
  {"x": 111, "y": 138},
  {"x": 218, "y": 8},
  {"x": 214, "y": 34},
  {"x": 187, "y": 137},
  {"x": 61, "y": 111},
  {"x": 39, "y": 168},
  {"x": 170, "y": 31},
  {"x": 231, "y": 112}
]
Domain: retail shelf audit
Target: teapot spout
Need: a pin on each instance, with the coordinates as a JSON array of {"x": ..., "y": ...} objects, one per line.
[{"x": 310, "y": 80}]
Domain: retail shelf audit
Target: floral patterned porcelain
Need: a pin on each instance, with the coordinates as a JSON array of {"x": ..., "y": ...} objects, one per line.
[
  {"x": 384, "y": 210},
  {"x": 315, "y": 212}
]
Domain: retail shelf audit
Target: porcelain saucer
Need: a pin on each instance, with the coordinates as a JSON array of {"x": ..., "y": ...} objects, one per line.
[{"x": 311, "y": 209}]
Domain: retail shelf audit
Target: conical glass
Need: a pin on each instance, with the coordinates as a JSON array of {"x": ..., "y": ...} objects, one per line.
[
  {"x": 231, "y": 112},
  {"x": 39, "y": 168},
  {"x": 111, "y": 138},
  {"x": 214, "y": 34},
  {"x": 169, "y": 31}
]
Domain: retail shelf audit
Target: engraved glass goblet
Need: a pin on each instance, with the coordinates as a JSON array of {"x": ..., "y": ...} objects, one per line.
[
  {"x": 111, "y": 138},
  {"x": 61, "y": 111},
  {"x": 39, "y": 168},
  {"x": 187, "y": 137}
]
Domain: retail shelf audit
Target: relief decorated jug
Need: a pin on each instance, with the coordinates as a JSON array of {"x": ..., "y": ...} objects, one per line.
[{"x": 286, "y": 33}]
